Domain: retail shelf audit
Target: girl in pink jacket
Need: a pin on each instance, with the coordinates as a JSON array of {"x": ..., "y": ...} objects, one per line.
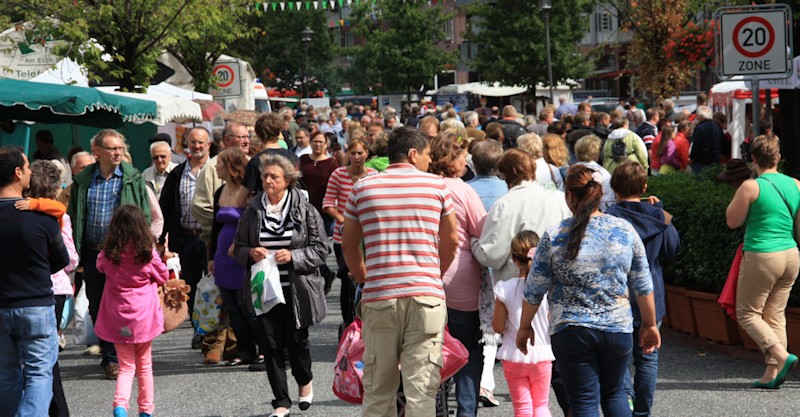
[{"x": 130, "y": 310}]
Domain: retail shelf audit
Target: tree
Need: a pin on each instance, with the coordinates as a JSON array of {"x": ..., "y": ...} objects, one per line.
[
  {"x": 120, "y": 38},
  {"x": 512, "y": 41},
  {"x": 277, "y": 53},
  {"x": 204, "y": 40},
  {"x": 400, "y": 52},
  {"x": 654, "y": 24}
]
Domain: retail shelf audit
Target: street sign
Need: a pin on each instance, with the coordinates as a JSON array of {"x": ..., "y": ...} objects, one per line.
[
  {"x": 228, "y": 80},
  {"x": 754, "y": 42}
]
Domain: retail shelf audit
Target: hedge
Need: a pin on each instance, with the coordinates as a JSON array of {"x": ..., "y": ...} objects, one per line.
[{"x": 698, "y": 203}]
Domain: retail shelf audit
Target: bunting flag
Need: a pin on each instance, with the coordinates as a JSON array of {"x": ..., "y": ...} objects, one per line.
[
  {"x": 283, "y": 6},
  {"x": 316, "y": 5},
  {"x": 298, "y": 4},
  {"x": 275, "y": 7},
  {"x": 332, "y": 2}
]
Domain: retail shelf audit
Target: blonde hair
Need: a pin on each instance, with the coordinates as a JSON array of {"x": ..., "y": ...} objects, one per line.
[{"x": 555, "y": 150}]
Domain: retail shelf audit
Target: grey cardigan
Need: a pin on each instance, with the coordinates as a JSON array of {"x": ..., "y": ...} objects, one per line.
[{"x": 308, "y": 254}]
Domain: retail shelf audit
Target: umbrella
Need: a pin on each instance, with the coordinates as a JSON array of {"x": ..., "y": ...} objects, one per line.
[
  {"x": 210, "y": 109},
  {"x": 246, "y": 117},
  {"x": 52, "y": 103}
]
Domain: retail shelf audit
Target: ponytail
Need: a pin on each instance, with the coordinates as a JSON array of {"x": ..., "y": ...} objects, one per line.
[{"x": 585, "y": 187}]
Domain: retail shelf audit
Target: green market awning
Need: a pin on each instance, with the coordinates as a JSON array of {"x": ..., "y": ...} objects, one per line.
[{"x": 53, "y": 103}]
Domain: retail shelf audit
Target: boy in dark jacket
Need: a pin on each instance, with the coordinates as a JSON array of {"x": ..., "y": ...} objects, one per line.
[{"x": 661, "y": 241}]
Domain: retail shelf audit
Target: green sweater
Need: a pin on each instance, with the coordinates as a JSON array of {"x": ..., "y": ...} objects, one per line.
[{"x": 134, "y": 191}]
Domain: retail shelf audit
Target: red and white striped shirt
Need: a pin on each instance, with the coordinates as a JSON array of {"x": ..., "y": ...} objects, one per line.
[
  {"x": 339, "y": 186},
  {"x": 399, "y": 212}
]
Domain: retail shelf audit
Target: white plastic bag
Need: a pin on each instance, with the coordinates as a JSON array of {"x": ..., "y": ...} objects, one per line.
[
  {"x": 205, "y": 314},
  {"x": 265, "y": 285}
]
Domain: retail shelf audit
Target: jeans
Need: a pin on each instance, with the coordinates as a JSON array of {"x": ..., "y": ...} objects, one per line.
[
  {"x": 466, "y": 327},
  {"x": 529, "y": 387},
  {"x": 135, "y": 359},
  {"x": 643, "y": 388},
  {"x": 594, "y": 364},
  {"x": 28, "y": 352}
]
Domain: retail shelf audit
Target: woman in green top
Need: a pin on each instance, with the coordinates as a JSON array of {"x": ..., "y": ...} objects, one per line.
[{"x": 767, "y": 206}]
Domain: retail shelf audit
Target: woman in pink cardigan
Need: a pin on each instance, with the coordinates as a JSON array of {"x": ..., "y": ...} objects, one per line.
[
  {"x": 130, "y": 311},
  {"x": 462, "y": 280}
]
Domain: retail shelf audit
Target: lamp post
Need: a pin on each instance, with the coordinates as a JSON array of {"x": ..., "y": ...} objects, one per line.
[
  {"x": 545, "y": 6},
  {"x": 305, "y": 38}
]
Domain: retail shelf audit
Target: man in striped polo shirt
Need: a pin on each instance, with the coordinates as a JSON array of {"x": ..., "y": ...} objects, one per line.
[{"x": 406, "y": 219}]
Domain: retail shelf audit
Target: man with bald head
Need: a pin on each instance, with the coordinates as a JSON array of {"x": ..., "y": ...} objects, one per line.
[
  {"x": 176, "y": 205},
  {"x": 156, "y": 174}
]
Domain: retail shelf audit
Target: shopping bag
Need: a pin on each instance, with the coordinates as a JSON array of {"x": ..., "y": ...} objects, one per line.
[
  {"x": 68, "y": 313},
  {"x": 349, "y": 367},
  {"x": 265, "y": 285},
  {"x": 207, "y": 304},
  {"x": 454, "y": 356}
]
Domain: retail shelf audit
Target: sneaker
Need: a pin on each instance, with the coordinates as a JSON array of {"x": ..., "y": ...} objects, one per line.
[
  {"x": 487, "y": 399},
  {"x": 119, "y": 411},
  {"x": 93, "y": 350},
  {"x": 111, "y": 371},
  {"x": 197, "y": 341}
]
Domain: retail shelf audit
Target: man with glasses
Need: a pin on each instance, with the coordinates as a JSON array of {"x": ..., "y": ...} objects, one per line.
[
  {"x": 96, "y": 192},
  {"x": 179, "y": 222},
  {"x": 156, "y": 174},
  {"x": 235, "y": 135},
  {"x": 303, "y": 146}
]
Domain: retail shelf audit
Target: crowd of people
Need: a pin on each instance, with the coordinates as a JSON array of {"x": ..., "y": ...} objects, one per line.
[{"x": 527, "y": 236}]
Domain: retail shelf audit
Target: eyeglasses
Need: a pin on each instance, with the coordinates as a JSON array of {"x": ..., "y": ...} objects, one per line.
[
  {"x": 240, "y": 137},
  {"x": 156, "y": 157},
  {"x": 316, "y": 142},
  {"x": 114, "y": 149}
]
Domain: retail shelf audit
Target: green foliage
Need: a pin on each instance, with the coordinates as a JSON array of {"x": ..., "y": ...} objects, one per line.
[
  {"x": 276, "y": 53},
  {"x": 204, "y": 40},
  {"x": 698, "y": 203},
  {"x": 117, "y": 38},
  {"x": 400, "y": 53},
  {"x": 512, "y": 37}
]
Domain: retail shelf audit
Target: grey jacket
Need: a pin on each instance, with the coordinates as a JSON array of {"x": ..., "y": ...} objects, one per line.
[{"x": 308, "y": 254}]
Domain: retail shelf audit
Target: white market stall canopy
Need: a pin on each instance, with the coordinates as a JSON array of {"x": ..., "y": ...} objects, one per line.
[
  {"x": 170, "y": 109},
  {"x": 166, "y": 89},
  {"x": 65, "y": 72},
  {"x": 497, "y": 90}
]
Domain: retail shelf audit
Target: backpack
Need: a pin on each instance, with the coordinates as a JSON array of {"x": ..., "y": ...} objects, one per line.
[{"x": 618, "y": 150}]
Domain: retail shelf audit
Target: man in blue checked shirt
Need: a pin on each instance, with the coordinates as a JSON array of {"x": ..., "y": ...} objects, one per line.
[{"x": 97, "y": 191}]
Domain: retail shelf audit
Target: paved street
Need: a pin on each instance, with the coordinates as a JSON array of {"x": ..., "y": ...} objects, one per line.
[{"x": 696, "y": 378}]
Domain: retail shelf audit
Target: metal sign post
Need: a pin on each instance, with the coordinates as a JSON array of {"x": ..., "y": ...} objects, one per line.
[{"x": 755, "y": 43}]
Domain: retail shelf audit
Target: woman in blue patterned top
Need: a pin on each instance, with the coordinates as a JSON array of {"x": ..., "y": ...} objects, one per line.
[{"x": 587, "y": 263}]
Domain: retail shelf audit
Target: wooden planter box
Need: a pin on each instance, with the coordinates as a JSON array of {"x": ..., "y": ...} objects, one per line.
[
  {"x": 793, "y": 328},
  {"x": 748, "y": 341},
  {"x": 680, "y": 311},
  {"x": 711, "y": 320}
]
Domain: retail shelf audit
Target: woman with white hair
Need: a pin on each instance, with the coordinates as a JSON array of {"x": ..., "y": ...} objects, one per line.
[{"x": 547, "y": 175}]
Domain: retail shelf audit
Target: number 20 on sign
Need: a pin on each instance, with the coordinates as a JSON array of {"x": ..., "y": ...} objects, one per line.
[{"x": 754, "y": 41}]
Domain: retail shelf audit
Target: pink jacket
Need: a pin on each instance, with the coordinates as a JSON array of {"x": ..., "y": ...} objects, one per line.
[{"x": 130, "y": 311}]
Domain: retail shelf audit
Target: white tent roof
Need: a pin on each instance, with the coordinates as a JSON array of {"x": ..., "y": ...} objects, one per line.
[
  {"x": 170, "y": 109},
  {"x": 65, "y": 72},
  {"x": 494, "y": 89},
  {"x": 728, "y": 86},
  {"x": 166, "y": 89}
]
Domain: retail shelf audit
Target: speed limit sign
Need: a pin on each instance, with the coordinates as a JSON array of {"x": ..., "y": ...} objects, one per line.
[
  {"x": 227, "y": 79},
  {"x": 754, "y": 42}
]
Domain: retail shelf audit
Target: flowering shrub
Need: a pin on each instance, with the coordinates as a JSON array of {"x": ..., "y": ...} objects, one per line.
[{"x": 692, "y": 46}]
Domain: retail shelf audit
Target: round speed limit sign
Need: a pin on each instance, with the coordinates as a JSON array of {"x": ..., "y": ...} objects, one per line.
[
  {"x": 227, "y": 79},
  {"x": 754, "y": 41}
]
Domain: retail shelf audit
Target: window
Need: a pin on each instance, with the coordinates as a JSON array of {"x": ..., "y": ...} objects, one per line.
[
  {"x": 604, "y": 22},
  {"x": 450, "y": 31}
]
